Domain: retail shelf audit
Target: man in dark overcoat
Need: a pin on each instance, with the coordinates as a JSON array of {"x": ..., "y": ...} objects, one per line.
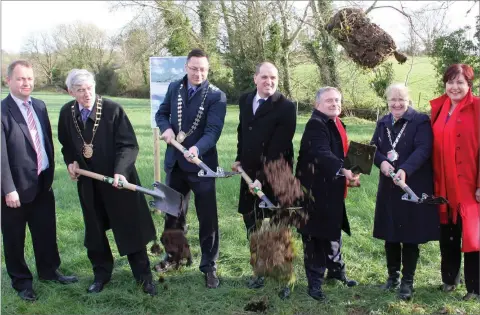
[
  {"x": 28, "y": 166},
  {"x": 193, "y": 112},
  {"x": 267, "y": 123},
  {"x": 96, "y": 135},
  {"x": 320, "y": 171}
]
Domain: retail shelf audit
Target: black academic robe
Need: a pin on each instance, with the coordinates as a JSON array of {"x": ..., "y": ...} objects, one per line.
[{"x": 115, "y": 152}]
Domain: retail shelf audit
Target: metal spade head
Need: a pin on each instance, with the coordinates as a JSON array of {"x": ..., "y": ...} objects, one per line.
[
  {"x": 207, "y": 172},
  {"x": 360, "y": 158},
  {"x": 171, "y": 202},
  {"x": 264, "y": 205},
  {"x": 426, "y": 199}
]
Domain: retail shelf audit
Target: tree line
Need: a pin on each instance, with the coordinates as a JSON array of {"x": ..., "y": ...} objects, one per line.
[{"x": 237, "y": 35}]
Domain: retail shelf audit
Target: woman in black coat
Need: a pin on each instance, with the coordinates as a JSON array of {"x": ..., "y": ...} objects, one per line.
[{"x": 404, "y": 145}]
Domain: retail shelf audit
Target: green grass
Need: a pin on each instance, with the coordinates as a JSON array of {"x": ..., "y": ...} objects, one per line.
[
  {"x": 184, "y": 292},
  {"x": 355, "y": 82}
]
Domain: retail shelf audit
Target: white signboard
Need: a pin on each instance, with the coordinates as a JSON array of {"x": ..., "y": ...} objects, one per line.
[{"x": 163, "y": 71}]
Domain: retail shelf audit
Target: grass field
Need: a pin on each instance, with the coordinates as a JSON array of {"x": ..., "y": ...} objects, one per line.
[{"x": 183, "y": 291}]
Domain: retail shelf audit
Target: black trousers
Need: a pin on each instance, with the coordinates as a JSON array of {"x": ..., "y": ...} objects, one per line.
[
  {"x": 451, "y": 252},
  {"x": 320, "y": 255},
  {"x": 401, "y": 254},
  {"x": 206, "y": 207},
  {"x": 40, "y": 217},
  {"x": 102, "y": 263},
  {"x": 101, "y": 257}
]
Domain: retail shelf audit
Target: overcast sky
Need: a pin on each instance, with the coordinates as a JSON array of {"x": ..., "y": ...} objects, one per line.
[{"x": 21, "y": 18}]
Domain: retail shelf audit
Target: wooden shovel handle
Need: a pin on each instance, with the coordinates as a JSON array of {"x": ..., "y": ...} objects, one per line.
[
  {"x": 249, "y": 181},
  {"x": 105, "y": 179},
  {"x": 182, "y": 149}
]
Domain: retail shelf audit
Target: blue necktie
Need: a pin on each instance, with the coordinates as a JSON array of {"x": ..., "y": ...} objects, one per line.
[
  {"x": 85, "y": 112},
  {"x": 190, "y": 92},
  {"x": 261, "y": 101}
]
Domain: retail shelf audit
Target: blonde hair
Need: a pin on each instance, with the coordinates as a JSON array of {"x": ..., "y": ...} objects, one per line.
[{"x": 401, "y": 88}]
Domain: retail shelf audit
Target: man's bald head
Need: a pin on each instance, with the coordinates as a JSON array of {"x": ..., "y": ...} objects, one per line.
[{"x": 266, "y": 79}]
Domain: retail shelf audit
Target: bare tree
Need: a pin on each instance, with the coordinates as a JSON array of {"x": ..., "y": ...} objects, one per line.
[{"x": 40, "y": 49}]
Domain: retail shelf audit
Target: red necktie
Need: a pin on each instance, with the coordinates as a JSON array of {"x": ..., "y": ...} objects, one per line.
[{"x": 35, "y": 136}]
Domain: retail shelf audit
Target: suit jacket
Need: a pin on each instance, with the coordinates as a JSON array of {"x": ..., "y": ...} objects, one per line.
[
  {"x": 209, "y": 127},
  {"x": 321, "y": 156},
  {"x": 19, "y": 159},
  {"x": 263, "y": 137}
]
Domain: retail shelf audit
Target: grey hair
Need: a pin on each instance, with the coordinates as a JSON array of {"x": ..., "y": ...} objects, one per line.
[
  {"x": 323, "y": 90},
  {"x": 400, "y": 87},
  {"x": 78, "y": 77}
]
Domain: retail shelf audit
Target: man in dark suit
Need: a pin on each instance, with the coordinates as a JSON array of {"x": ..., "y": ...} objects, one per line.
[
  {"x": 27, "y": 175},
  {"x": 320, "y": 170},
  {"x": 193, "y": 112},
  {"x": 267, "y": 123}
]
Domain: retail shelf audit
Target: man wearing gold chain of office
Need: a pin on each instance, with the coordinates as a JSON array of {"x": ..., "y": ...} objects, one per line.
[{"x": 193, "y": 113}]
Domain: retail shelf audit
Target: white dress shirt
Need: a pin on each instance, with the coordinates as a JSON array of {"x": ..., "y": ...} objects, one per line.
[
  {"x": 23, "y": 110},
  {"x": 255, "y": 104}
]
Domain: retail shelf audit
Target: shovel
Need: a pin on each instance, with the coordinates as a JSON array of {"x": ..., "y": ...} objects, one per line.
[
  {"x": 205, "y": 170},
  {"x": 265, "y": 203},
  {"x": 412, "y": 197},
  {"x": 165, "y": 198}
]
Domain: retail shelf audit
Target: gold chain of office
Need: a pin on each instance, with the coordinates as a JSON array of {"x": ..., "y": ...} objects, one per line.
[{"x": 87, "y": 149}]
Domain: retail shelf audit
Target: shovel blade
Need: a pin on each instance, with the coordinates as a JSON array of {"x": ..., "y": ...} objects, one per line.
[
  {"x": 172, "y": 203},
  {"x": 432, "y": 200}
]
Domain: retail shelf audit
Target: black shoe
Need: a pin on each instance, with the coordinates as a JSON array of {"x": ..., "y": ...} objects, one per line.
[
  {"x": 149, "y": 288},
  {"x": 256, "y": 283},
  {"x": 284, "y": 293},
  {"x": 317, "y": 294},
  {"x": 471, "y": 296},
  {"x": 406, "y": 290},
  {"x": 211, "y": 280},
  {"x": 343, "y": 279},
  {"x": 391, "y": 284},
  {"x": 448, "y": 287},
  {"x": 96, "y": 287},
  {"x": 61, "y": 278},
  {"x": 27, "y": 295}
]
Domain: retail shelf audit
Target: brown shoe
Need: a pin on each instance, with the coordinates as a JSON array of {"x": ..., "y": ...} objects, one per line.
[{"x": 211, "y": 280}]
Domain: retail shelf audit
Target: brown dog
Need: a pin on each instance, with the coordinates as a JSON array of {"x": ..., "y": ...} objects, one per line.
[{"x": 176, "y": 246}]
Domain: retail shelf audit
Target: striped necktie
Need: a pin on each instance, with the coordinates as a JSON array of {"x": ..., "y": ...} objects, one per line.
[{"x": 32, "y": 127}]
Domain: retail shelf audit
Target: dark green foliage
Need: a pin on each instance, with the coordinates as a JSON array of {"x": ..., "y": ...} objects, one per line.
[{"x": 453, "y": 48}]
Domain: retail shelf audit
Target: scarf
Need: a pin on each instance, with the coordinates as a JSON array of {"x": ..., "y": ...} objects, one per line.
[{"x": 343, "y": 135}]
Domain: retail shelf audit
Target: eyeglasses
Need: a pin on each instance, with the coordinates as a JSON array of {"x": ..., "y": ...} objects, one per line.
[
  {"x": 397, "y": 100},
  {"x": 194, "y": 69}
]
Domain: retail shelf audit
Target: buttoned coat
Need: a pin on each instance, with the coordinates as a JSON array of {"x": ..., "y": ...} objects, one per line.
[
  {"x": 397, "y": 220},
  {"x": 262, "y": 137},
  {"x": 320, "y": 158}
]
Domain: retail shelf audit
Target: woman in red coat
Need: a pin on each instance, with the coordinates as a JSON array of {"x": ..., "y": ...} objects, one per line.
[{"x": 456, "y": 133}]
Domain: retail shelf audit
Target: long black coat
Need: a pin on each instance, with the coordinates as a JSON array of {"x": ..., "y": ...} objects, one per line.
[
  {"x": 397, "y": 220},
  {"x": 115, "y": 151},
  {"x": 321, "y": 157},
  {"x": 263, "y": 137}
]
